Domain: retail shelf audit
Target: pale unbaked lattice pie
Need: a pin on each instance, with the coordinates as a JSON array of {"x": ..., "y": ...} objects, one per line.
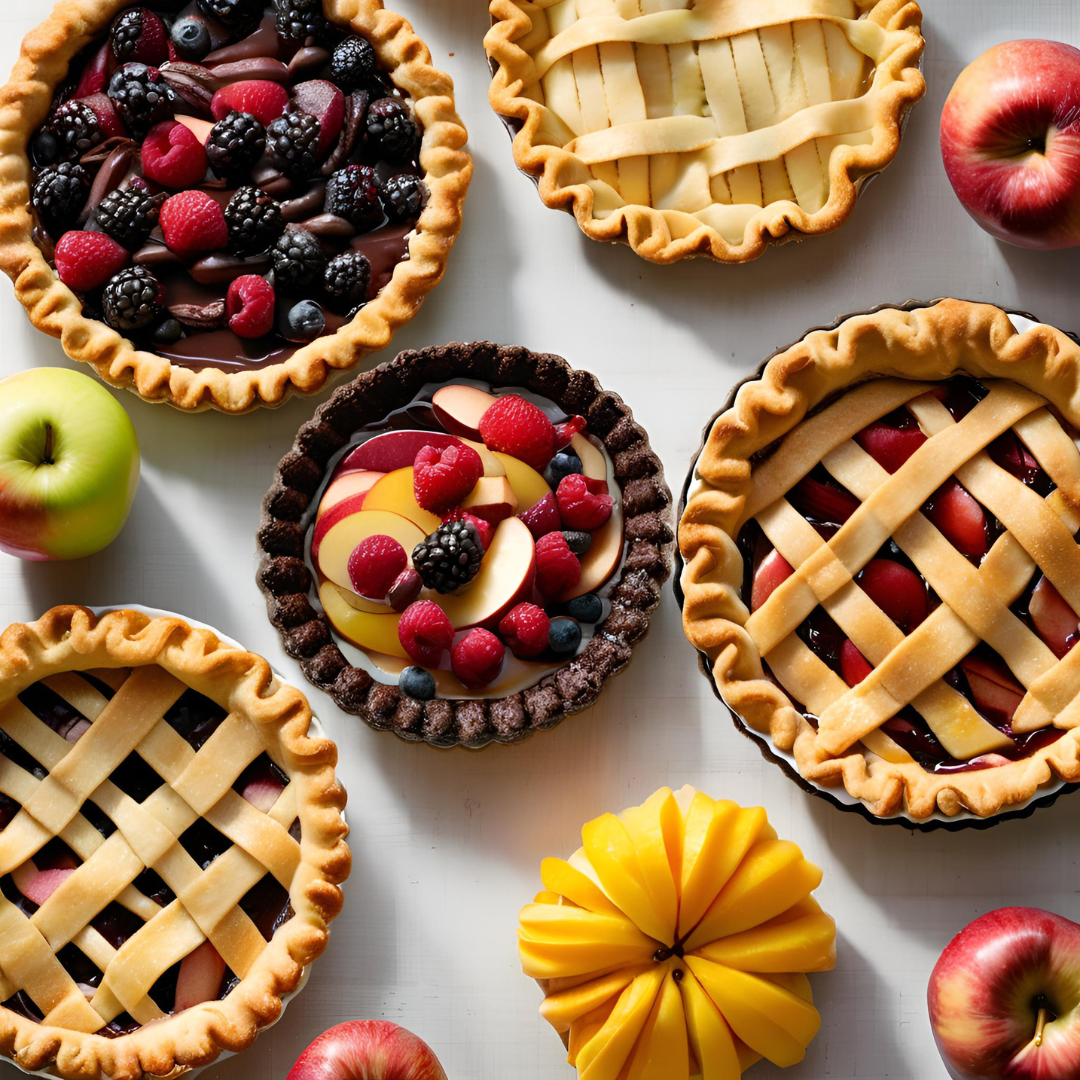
[
  {"x": 704, "y": 127},
  {"x": 883, "y": 571}
]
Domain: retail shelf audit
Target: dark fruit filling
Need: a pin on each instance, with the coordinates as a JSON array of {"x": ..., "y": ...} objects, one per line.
[
  {"x": 895, "y": 585},
  {"x": 263, "y": 112}
]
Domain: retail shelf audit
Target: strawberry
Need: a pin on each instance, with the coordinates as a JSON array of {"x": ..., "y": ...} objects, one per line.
[
  {"x": 890, "y": 446},
  {"x": 853, "y": 665},
  {"x": 173, "y": 157},
  {"x": 579, "y": 508},
  {"x": 199, "y": 979},
  {"x": 542, "y": 517},
  {"x": 264, "y": 100},
  {"x": 565, "y": 431},
  {"x": 997, "y": 694},
  {"x": 512, "y": 425},
  {"x": 95, "y": 76},
  {"x": 478, "y": 658},
  {"x": 442, "y": 478},
  {"x": 771, "y": 573},
  {"x": 193, "y": 223},
  {"x": 823, "y": 502},
  {"x": 525, "y": 630},
  {"x": 139, "y": 35},
  {"x": 898, "y": 591},
  {"x": 375, "y": 564},
  {"x": 107, "y": 117},
  {"x": 485, "y": 528},
  {"x": 250, "y": 304},
  {"x": 86, "y": 260},
  {"x": 557, "y": 567},
  {"x": 323, "y": 100},
  {"x": 1055, "y": 621},
  {"x": 425, "y": 632},
  {"x": 959, "y": 516}
]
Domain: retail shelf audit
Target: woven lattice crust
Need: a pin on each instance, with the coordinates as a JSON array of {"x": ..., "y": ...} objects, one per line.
[
  {"x": 307, "y": 635},
  {"x": 71, "y": 639},
  {"x": 926, "y": 344},
  {"x": 54, "y": 308}
]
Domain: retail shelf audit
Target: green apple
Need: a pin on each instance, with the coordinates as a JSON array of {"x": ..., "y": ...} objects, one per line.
[{"x": 69, "y": 465}]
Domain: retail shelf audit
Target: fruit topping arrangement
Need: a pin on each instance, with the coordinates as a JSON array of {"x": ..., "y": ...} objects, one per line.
[
  {"x": 228, "y": 182},
  {"x": 468, "y": 527}
]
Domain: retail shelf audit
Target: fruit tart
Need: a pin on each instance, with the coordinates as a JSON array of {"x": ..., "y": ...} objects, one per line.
[
  {"x": 463, "y": 545},
  {"x": 704, "y": 127},
  {"x": 217, "y": 202},
  {"x": 171, "y": 842},
  {"x": 676, "y": 941},
  {"x": 881, "y": 568}
]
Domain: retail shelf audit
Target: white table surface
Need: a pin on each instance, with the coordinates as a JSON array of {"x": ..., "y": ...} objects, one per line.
[{"x": 447, "y": 845}]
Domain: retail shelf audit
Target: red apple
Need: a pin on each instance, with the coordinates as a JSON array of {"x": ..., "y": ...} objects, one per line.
[
  {"x": 367, "y": 1050},
  {"x": 1010, "y": 138},
  {"x": 393, "y": 450},
  {"x": 1004, "y": 998}
]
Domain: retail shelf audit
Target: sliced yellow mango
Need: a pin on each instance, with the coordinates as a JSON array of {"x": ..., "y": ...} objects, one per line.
[
  {"x": 560, "y": 877},
  {"x": 562, "y": 1009},
  {"x": 606, "y": 1054},
  {"x": 663, "y": 1051},
  {"x": 710, "y": 1036}
]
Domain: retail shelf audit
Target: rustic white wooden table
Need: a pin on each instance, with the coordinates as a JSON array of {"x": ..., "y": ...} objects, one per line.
[{"x": 447, "y": 845}]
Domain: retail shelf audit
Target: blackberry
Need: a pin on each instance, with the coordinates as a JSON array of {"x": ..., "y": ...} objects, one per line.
[
  {"x": 391, "y": 130},
  {"x": 130, "y": 301},
  {"x": 142, "y": 97},
  {"x": 76, "y": 128},
  {"x": 59, "y": 195},
  {"x": 450, "y": 557},
  {"x": 294, "y": 144},
  {"x": 577, "y": 540},
  {"x": 129, "y": 215},
  {"x": 235, "y": 144},
  {"x": 353, "y": 64},
  {"x": 353, "y": 193},
  {"x": 297, "y": 20},
  {"x": 404, "y": 197},
  {"x": 254, "y": 220},
  {"x": 126, "y": 32},
  {"x": 347, "y": 277},
  {"x": 235, "y": 14},
  {"x": 299, "y": 260},
  {"x": 191, "y": 38}
]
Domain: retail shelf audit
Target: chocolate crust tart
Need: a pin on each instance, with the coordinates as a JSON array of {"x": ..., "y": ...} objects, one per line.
[
  {"x": 233, "y": 375},
  {"x": 631, "y": 591}
]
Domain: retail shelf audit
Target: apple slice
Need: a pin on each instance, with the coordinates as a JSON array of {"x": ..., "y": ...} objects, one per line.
[
  {"x": 505, "y": 579},
  {"x": 199, "y": 128},
  {"x": 890, "y": 446},
  {"x": 263, "y": 792},
  {"x": 341, "y": 539},
  {"x": 393, "y": 450},
  {"x": 1055, "y": 621},
  {"x": 529, "y": 486},
  {"x": 199, "y": 980},
  {"x": 823, "y": 502},
  {"x": 346, "y": 485},
  {"x": 375, "y": 633},
  {"x": 898, "y": 591},
  {"x": 459, "y": 407},
  {"x": 602, "y": 558},
  {"x": 593, "y": 462},
  {"x": 353, "y": 504},
  {"x": 394, "y": 492},
  {"x": 492, "y": 499},
  {"x": 960, "y": 517},
  {"x": 492, "y": 465},
  {"x": 322, "y": 99},
  {"x": 995, "y": 691},
  {"x": 771, "y": 573},
  {"x": 38, "y": 885}
]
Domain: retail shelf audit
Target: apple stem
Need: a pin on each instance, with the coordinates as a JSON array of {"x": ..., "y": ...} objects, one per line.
[
  {"x": 1040, "y": 1026},
  {"x": 47, "y": 453}
]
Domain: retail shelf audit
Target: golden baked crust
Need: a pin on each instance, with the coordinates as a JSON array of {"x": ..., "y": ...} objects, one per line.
[
  {"x": 698, "y": 158},
  {"x": 71, "y": 639},
  {"x": 54, "y": 308},
  {"x": 926, "y": 344}
]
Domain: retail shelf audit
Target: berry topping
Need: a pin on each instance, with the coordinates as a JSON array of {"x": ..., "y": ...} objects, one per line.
[
  {"x": 823, "y": 502},
  {"x": 565, "y": 637},
  {"x": 442, "y": 478},
  {"x": 512, "y": 425},
  {"x": 173, "y": 157},
  {"x": 391, "y": 129},
  {"x": 303, "y": 322},
  {"x": 293, "y": 141},
  {"x": 326, "y": 103},
  {"x": 191, "y": 38},
  {"x": 557, "y": 567},
  {"x": 142, "y": 97},
  {"x": 525, "y": 630},
  {"x": 404, "y": 197},
  {"x": 348, "y": 278},
  {"x": 425, "y": 632},
  {"x": 478, "y": 658},
  {"x": 249, "y": 306},
  {"x": 353, "y": 193},
  {"x": 772, "y": 572},
  {"x": 1055, "y": 621},
  {"x": 450, "y": 557},
  {"x": 542, "y": 517},
  {"x": 959, "y": 516},
  {"x": 138, "y": 34},
  {"x": 577, "y": 540},
  {"x": 86, "y": 260},
  {"x": 59, "y": 195},
  {"x": 898, "y": 591},
  {"x": 129, "y": 215},
  {"x": 375, "y": 564},
  {"x": 240, "y": 15},
  {"x": 405, "y": 589},
  {"x": 565, "y": 431},
  {"x": 131, "y": 299},
  {"x": 95, "y": 76},
  {"x": 579, "y": 507},
  {"x": 76, "y": 128},
  {"x": 563, "y": 464},
  {"x": 235, "y": 144},
  {"x": 587, "y": 609},
  {"x": 853, "y": 665},
  {"x": 890, "y": 446},
  {"x": 192, "y": 222},
  {"x": 353, "y": 64},
  {"x": 265, "y": 100},
  {"x": 108, "y": 118},
  {"x": 298, "y": 20},
  {"x": 997, "y": 694},
  {"x": 416, "y": 683},
  {"x": 254, "y": 220},
  {"x": 299, "y": 260}
]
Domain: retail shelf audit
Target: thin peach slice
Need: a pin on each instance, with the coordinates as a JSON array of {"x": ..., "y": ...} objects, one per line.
[
  {"x": 492, "y": 499},
  {"x": 375, "y": 633},
  {"x": 602, "y": 558},
  {"x": 593, "y": 462},
  {"x": 346, "y": 485},
  {"x": 492, "y": 465},
  {"x": 394, "y": 492},
  {"x": 341, "y": 540},
  {"x": 529, "y": 486}
]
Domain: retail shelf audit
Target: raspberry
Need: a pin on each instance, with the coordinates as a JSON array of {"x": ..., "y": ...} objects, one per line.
[
  {"x": 375, "y": 564},
  {"x": 425, "y": 632},
  {"x": 515, "y": 426},
  {"x": 557, "y": 567},
  {"x": 173, "y": 157},
  {"x": 442, "y": 478},
  {"x": 139, "y": 35},
  {"x": 579, "y": 507},
  {"x": 192, "y": 223},
  {"x": 249, "y": 305},
  {"x": 542, "y": 517},
  {"x": 484, "y": 529},
  {"x": 525, "y": 630},
  {"x": 478, "y": 658},
  {"x": 86, "y": 260},
  {"x": 264, "y": 100},
  {"x": 565, "y": 431}
]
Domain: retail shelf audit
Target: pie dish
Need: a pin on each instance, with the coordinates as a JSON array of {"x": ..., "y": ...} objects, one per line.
[
  {"x": 157, "y": 907},
  {"x": 680, "y": 933},
  {"x": 502, "y": 608},
  {"x": 924, "y": 460},
  {"x": 219, "y": 203},
  {"x": 705, "y": 128}
]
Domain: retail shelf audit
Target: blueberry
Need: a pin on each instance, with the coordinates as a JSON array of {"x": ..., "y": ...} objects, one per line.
[
  {"x": 304, "y": 322},
  {"x": 564, "y": 637},
  {"x": 587, "y": 608},
  {"x": 417, "y": 683},
  {"x": 191, "y": 38},
  {"x": 167, "y": 332},
  {"x": 45, "y": 149},
  {"x": 564, "y": 463},
  {"x": 577, "y": 541}
]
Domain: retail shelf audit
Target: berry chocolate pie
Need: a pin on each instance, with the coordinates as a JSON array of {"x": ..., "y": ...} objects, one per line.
[
  {"x": 463, "y": 545},
  {"x": 171, "y": 845},
  {"x": 883, "y": 571},
  {"x": 217, "y": 202}
]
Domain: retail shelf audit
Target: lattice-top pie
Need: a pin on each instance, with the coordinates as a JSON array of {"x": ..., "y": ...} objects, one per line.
[
  {"x": 171, "y": 843},
  {"x": 707, "y": 127},
  {"x": 883, "y": 571}
]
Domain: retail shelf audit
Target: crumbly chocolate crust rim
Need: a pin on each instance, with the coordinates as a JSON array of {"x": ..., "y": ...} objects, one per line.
[{"x": 285, "y": 579}]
